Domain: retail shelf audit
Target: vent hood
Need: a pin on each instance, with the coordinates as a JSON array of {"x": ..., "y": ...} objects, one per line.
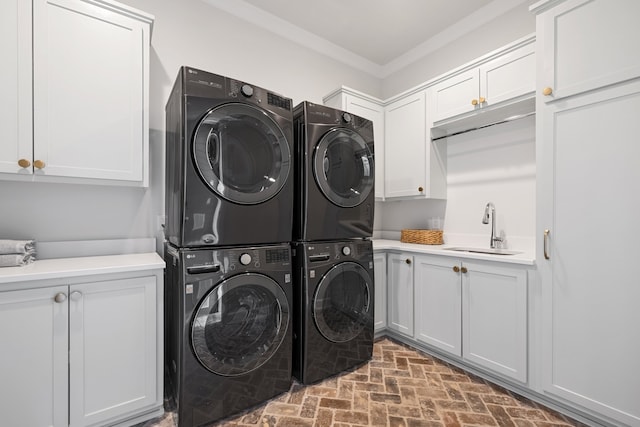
[{"x": 484, "y": 117}]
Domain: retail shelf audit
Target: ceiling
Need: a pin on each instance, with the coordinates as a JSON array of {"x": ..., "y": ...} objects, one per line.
[{"x": 375, "y": 36}]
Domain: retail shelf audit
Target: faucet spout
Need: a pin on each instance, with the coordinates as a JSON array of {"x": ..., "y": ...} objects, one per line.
[{"x": 490, "y": 211}]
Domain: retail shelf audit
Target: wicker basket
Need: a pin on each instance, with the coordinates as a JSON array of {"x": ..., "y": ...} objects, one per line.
[{"x": 423, "y": 237}]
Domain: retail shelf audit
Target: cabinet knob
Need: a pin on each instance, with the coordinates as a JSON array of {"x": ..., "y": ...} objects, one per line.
[
  {"x": 463, "y": 270},
  {"x": 547, "y": 91},
  {"x": 482, "y": 100},
  {"x": 420, "y": 189},
  {"x": 39, "y": 164},
  {"x": 456, "y": 269},
  {"x": 474, "y": 102},
  {"x": 408, "y": 261},
  {"x": 75, "y": 295},
  {"x": 60, "y": 297},
  {"x": 24, "y": 163}
]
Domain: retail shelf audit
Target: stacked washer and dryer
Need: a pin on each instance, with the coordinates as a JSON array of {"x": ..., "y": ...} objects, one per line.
[
  {"x": 333, "y": 254},
  {"x": 229, "y": 205}
]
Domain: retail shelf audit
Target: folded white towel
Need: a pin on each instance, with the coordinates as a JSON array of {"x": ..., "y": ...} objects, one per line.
[
  {"x": 16, "y": 260},
  {"x": 17, "y": 247}
]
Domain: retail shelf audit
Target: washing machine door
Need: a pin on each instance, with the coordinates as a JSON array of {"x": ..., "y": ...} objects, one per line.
[
  {"x": 343, "y": 167},
  {"x": 241, "y": 153},
  {"x": 240, "y": 324},
  {"x": 342, "y": 302}
]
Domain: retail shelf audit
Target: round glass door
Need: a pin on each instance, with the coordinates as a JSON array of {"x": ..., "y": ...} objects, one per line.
[
  {"x": 341, "y": 305},
  {"x": 343, "y": 167},
  {"x": 241, "y": 153},
  {"x": 240, "y": 324}
]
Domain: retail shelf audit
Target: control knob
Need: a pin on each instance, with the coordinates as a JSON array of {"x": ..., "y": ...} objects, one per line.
[
  {"x": 346, "y": 251},
  {"x": 245, "y": 259},
  {"x": 346, "y": 117},
  {"x": 247, "y": 91}
]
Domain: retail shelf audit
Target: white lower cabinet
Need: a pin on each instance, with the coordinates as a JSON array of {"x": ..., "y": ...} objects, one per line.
[
  {"x": 81, "y": 354},
  {"x": 400, "y": 293},
  {"x": 34, "y": 358},
  {"x": 380, "y": 294},
  {"x": 473, "y": 310},
  {"x": 438, "y": 304}
]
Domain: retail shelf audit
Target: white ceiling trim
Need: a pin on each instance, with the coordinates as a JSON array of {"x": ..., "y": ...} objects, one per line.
[
  {"x": 289, "y": 31},
  {"x": 279, "y": 26},
  {"x": 466, "y": 25}
]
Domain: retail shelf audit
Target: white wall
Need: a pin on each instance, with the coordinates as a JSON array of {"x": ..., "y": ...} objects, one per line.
[
  {"x": 503, "y": 30},
  {"x": 495, "y": 164},
  {"x": 186, "y": 32}
]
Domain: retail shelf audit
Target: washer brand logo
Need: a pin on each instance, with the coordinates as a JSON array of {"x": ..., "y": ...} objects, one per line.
[
  {"x": 189, "y": 256},
  {"x": 321, "y": 113},
  {"x": 190, "y": 71}
]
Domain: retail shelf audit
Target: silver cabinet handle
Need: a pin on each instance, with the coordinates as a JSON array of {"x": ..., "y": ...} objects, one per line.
[
  {"x": 60, "y": 297},
  {"x": 75, "y": 295},
  {"x": 546, "y": 241}
]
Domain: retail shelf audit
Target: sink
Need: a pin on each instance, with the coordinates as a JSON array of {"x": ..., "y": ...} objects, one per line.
[{"x": 483, "y": 251}]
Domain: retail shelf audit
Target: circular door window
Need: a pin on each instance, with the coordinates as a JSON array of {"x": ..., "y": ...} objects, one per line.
[
  {"x": 343, "y": 167},
  {"x": 241, "y": 153},
  {"x": 341, "y": 305},
  {"x": 240, "y": 324}
]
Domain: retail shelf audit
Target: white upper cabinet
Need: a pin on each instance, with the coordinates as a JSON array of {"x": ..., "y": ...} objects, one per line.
[
  {"x": 90, "y": 97},
  {"x": 365, "y": 106},
  {"x": 82, "y": 67},
  {"x": 587, "y": 44},
  {"x": 405, "y": 146},
  {"x": 414, "y": 167},
  {"x": 509, "y": 76},
  {"x": 15, "y": 91}
]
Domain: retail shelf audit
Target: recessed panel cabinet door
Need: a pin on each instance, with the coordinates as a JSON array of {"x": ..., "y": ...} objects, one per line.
[
  {"x": 588, "y": 198},
  {"x": 15, "y": 91},
  {"x": 380, "y": 278},
  {"x": 112, "y": 349},
  {"x": 89, "y": 94},
  {"x": 33, "y": 357},
  {"x": 405, "y": 142},
  {"x": 438, "y": 303},
  {"x": 400, "y": 293},
  {"x": 588, "y": 44}
]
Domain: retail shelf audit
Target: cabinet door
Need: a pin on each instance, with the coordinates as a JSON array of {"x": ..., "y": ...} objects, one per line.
[
  {"x": 112, "y": 349},
  {"x": 588, "y": 170},
  {"x": 400, "y": 293},
  {"x": 33, "y": 359},
  {"x": 89, "y": 94},
  {"x": 494, "y": 318},
  {"x": 15, "y": 90},
  {"x": 510, "y": 76},
  {"x": 454, "y": 95},
  {"x": 438, "y": 303},
  {"x": 375, "y": 113},
  {"x": 380, "y": 278},
  {"x": 405, "y": 141},
  {"x": 587, "y": 44}
]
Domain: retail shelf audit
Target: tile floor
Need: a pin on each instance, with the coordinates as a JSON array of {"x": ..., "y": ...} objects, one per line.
[{"x": 398, "y": 387}]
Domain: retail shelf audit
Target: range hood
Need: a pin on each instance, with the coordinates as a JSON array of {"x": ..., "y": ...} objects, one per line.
[{"x": 484, "y": 117}]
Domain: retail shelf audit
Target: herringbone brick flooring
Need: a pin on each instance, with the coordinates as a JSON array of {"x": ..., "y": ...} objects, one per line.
[{"x": 400, "y": 387}]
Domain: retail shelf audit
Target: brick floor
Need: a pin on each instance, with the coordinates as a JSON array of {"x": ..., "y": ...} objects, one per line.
[{"x": 399, "y": 387}]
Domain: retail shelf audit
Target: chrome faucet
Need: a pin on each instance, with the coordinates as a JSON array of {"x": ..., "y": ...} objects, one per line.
[{"x": 491, "y": 210}]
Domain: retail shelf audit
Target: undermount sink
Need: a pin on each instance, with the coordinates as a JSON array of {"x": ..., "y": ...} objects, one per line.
[{"x": 483, "y": 251}]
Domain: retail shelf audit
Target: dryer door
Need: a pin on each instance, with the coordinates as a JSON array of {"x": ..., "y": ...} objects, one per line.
[
  {"x": 240, "y": 324},
  {"x": 343, "y": 167},
  {"x": 342, "y": 305},
  {"x": 241, "y": 153}
]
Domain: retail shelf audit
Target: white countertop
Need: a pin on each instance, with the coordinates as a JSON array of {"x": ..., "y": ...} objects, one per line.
[
  {"x": 47, "y": 269},
  {"x": 523, "y": 258}
]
